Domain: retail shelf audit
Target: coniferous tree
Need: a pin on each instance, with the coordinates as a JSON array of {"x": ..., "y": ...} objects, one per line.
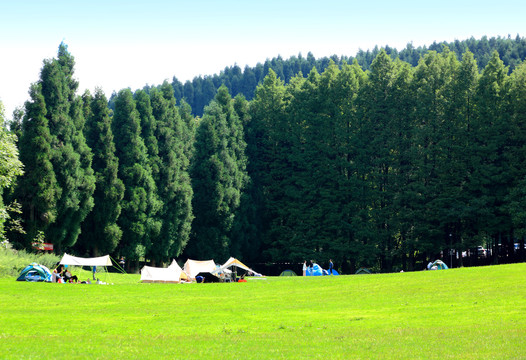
[
  {"x": 489, "y": 180},
  {"x": 70, "y": 157},
  {"x": 218, "y": 178},
  {"x": 141, "y": 204},
  {"x": 173, "y": 182},
  {"x": 376, "y": 111},
  {"x": 37, "y": 190},
  {"x": 148, "y": 130},
  {"x": 517, "y": 196},
  {"x": 101, "y": 234},
  {"x": 245, "y": 240},
  {"x": 268, "y": 150}
]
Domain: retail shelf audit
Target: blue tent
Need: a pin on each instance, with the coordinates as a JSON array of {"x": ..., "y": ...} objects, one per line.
[
  {"x": 35, "y": 272},
  {"x": 316, "y": 270}
]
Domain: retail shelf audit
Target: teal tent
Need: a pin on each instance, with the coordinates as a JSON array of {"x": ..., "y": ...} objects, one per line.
[
  {"x": 35, "y": 272},
  {"x": 439, "y": 265}
]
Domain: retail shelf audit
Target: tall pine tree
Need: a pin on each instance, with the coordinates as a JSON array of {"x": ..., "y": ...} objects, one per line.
[
  {"x": 101, "y": 234},
  {"x": 140, "y": 207}
]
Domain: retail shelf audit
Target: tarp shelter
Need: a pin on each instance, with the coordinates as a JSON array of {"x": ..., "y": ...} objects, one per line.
[
  {"x": 235, "y": 262},
  {"x": 194, "y": 267},
  {"x": 78, "y": 261},
  {"x": 438, "y": 265},
  {"x": 288, "y": 273},
  {"x": 35, "y": 272},
  {"x": 100, "y": 261}
]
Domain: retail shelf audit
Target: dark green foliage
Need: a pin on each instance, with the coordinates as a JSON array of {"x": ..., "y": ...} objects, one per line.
[
  {"x": 173, "y": 182},
  {"x": 201, "y": 90},
  {"x": 140, "y": 207},
  {"x": 62, "y": 161},
  {"x": 218, "y": 178},
  {"x": 71, "y": 156},
  {"x": 37, "y": 190},
  {"x": 100, "y": 232}
]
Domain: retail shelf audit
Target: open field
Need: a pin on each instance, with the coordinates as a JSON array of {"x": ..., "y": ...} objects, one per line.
[{"x": 469, "y": 313}]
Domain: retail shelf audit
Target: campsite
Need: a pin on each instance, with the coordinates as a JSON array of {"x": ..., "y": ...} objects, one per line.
[{"x": 424, "y": 314}]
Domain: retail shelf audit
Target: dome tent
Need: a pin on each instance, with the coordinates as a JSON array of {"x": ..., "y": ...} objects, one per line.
[
  {"x": 439, "y": 265},
  {"x": 36, "y": 273},
  {"x": 288, "y": 273}
]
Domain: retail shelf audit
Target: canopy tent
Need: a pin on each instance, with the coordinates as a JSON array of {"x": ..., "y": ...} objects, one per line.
[
  {"x": 35, "y": 272},
  {"x": 194, "y": 267},
  {"x": 438, "y": 265},
  {"x": 78, "y": 261},
  {"x": 235, "y": 262}
]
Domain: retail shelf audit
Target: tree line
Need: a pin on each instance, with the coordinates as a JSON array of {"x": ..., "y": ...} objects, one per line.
[
  {"x": 202, "y": 89},
  {"x": 384, "y": 168}
]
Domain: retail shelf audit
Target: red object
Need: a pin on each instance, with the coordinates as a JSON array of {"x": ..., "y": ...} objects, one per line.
[{"x": 44, "y": 246}]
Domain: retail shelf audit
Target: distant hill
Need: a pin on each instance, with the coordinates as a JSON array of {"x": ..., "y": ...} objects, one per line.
[{"x": 202, "y": 89}]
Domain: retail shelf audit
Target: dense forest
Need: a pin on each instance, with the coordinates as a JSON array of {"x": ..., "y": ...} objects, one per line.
[
  {"x": 372, "y": 161},
  {"x": 201, "y": 90}
]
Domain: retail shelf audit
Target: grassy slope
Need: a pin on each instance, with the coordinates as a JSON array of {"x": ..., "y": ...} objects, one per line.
[{"x": 470, "y": 313}]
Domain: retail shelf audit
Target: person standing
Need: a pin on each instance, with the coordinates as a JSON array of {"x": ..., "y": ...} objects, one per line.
[
  {"x": 331, "y": 265},
  {"x": 305, "y": 268}
]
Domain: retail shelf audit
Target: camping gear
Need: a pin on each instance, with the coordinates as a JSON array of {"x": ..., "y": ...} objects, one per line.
[
  {"x": 233, "y": 262},
  {"x": 171, "y": 274},
  {"x": 151, "y": 274},
  {"x": 363, "y": 271},
  {"x": 101, "y": 261},
  {"x": 36, "y": 273},
  {"x": 78, "y": 261},
  {"x": 438, "y": 265},
  {"x": 288, "y": 273},
  {"x": 314, "y": 270},
  {"x": 194, "y": 267}
]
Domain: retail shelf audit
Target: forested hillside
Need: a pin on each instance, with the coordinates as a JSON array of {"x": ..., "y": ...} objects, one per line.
[
  {"x": 201, "y": 90},
  {"x": 383, "y": 168}
]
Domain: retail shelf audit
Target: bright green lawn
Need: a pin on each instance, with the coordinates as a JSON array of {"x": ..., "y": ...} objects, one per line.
[{"x": 470, "y": 313}]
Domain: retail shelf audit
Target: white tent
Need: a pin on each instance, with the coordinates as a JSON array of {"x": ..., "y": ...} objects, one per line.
[
  {"x": 78, "y": 261},
  {"x": 174, "y": 265},
  {"x": 171, "y": 274},
  {"x": 194, "y": 267}
]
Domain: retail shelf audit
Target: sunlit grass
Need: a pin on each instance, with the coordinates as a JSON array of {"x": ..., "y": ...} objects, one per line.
[{"x": 471, "y": 313}]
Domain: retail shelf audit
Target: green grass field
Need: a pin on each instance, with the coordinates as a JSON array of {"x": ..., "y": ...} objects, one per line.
[{"x": 469, "y": 313}]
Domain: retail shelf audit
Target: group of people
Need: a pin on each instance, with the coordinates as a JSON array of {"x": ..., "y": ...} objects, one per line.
[
  {"x": 307, "y": 265},
  {"x": 61, "y": 274}
]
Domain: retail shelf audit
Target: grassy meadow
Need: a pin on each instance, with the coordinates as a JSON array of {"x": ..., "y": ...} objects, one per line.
[{"x": 468, "y": 313}]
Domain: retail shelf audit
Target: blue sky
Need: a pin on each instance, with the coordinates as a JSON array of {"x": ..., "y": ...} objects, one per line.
[{"x": 118, "y": 44}]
